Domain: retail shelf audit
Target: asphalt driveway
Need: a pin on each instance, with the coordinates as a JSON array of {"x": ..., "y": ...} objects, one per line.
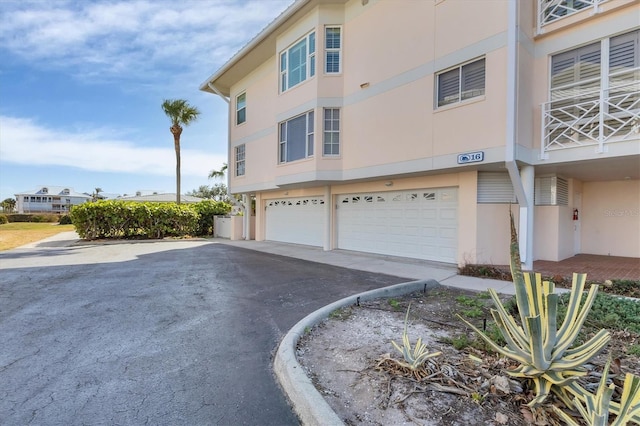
[{"x": 163, "y": 333}]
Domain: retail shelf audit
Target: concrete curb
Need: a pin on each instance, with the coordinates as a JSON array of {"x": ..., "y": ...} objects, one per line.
[{"x": 308, "y": 404}]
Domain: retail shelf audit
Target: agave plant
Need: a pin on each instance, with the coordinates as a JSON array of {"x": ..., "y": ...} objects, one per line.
[
  {"x": 545, "y": 353},
  {"x": 595, "y": 409},
  {"x": 416, "y": 356}
]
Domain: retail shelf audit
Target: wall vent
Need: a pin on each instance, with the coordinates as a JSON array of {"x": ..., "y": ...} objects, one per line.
[
  {"x": 551, "y": 191},
  {"x": 495, "y": 187}
]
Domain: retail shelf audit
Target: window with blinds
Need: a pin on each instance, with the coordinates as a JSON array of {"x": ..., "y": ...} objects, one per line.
[
  {"x": 332, "y": 46},
  {"x": 624, "y": 61},
  {"x": 577, "y": 74},
  {"x": 463, "y": 82},
  {"x": 296, "y": 138}
]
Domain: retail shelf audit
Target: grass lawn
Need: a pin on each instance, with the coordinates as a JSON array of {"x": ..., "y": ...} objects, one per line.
[{"x": 20, "y": 233}]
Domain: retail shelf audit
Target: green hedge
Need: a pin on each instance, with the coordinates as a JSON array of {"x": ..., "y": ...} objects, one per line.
[
  {"x": 3, "y": 219},
  {"x": 40, "y": 218},
  {"x": 65, "y": 219},
  {"x": 206, "y": 210},
  {"x": 129, "y": 219}
]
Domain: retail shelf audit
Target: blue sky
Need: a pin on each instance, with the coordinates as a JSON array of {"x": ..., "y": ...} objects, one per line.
[{"x": 81, "y": 84}]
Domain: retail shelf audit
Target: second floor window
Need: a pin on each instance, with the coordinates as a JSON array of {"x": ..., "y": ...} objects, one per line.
[
  {"x": 240, "y": 160},
  {"x": 298, "y": 62},
  {"x": 331, "y": 135},
  {"x": 333, "y": 46},
  {"x": 241, "y": 108},
  {"x": 296, "y": 138},
  {"x": 463, "y": 82}
]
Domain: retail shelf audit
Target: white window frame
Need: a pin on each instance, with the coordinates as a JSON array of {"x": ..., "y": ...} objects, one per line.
[
  {"x": 240, "y": 155},
  {"x": 309, "y": 64},
  {"x": 283, "y": 138},
  {"x": 462, "y": 94},
  {"x": 331, "y": 132},
  {"x": 332, "y": 50},
  {"x": 241, "y": 109}
]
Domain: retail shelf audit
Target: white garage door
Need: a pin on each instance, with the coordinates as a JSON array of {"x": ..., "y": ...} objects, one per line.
[
  {"x": 421, "y": 224},
  {"x": 296, "y": 220}
]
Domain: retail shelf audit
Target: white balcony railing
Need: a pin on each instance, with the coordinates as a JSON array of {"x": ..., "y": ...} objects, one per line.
[
  {"x": 551, "y": 10},
  {"x": 606, "y": 116}
]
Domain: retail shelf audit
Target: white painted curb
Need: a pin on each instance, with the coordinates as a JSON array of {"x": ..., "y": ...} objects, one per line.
[{"x": 308, "y": 404}]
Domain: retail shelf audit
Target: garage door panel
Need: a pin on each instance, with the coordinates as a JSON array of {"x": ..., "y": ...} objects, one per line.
[
  {"x": 415, "y": 223},
  {"x": 296, "y": 220}
]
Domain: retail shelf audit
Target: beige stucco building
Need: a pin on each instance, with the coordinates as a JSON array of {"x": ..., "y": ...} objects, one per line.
[{"x": 412, "y": 128}]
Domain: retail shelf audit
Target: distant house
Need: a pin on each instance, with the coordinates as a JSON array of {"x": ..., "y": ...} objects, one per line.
[
  {"x": 49, "y": 199},
  {"x": 161, "y": 198}
]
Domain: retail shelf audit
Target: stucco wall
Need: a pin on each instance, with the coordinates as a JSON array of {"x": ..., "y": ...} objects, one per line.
[
  {"x": 611, "y": 218},
  {"x": 494, "y": 233}
]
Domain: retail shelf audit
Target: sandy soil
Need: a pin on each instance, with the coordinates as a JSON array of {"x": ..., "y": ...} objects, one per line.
[{"x": 347, "y": 358}]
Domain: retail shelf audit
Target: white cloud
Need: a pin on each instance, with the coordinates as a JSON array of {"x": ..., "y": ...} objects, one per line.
[
  {"x": 27, "y": 143},
  {"x": 133, "y": 39}
]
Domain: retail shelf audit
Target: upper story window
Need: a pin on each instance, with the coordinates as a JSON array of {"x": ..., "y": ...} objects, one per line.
[
  {"x": 331, "y": 132},
  {"x": 45, "y": 190},
  {"x": 240, "y": 150},
  {"x": 578, "y": 74},
  {"x": 241, "y": 108},
  {"x": 333, "y": 50},
  {"x": 296, "y": 138},
  {"x": 463, "y": 82},
  {"x": 298, "y": 62},
  {"x": 594, "y": 94}
]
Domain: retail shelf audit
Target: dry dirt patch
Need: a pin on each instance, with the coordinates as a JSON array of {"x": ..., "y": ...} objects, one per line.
[{"x": 345, "y": 358}]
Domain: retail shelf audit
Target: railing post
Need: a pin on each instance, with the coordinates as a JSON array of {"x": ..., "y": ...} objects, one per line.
[
  {"x": 543, "y": 132},
  {"x": 601, "y": 123},
  {"x": 540, "y": 17}
]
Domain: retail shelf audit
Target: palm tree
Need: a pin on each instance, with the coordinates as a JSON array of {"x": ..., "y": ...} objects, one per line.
[
  {"x": 8, "y": 205},
  {"x": 218, "y": 173},
  {"x": 181, "y": 114},
  {"x": 96, "y": 194}
]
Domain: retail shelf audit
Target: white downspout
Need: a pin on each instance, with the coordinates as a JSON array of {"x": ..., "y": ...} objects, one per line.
[
  {"x": 243, "y": 205},
  {"x": 524, "y": 194}
]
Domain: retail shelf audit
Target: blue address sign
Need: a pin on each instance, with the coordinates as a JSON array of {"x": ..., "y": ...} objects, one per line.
[{"x": 471, "y": 157}]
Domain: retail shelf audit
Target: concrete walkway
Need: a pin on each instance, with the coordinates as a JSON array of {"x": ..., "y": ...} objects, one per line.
[{"x": 412, "y": 269}]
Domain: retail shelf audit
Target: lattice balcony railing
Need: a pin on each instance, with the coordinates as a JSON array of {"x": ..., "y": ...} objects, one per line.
[
  {"x": 551, "y": 10},
  {"x": 605, "y": 116}
]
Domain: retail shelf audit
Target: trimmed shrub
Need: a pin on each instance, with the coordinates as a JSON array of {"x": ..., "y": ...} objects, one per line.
[
  {"x": 38, "y": 218},
  {"x": 65, "y": 220},
  {"x": 206, "y": 210},
  {"x": 3, "y": 219},
  {"x": 129, "y": 219}
]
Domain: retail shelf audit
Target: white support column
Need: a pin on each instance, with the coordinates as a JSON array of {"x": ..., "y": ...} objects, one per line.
[
  {"x": 525, "y": 233},
  {"x": 246, "y": 218},
  {"x": 328, "y": 218}
]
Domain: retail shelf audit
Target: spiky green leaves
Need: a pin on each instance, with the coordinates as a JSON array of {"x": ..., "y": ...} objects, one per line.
[
  {"x": 595, "y": 408},
  {"x": 545, "y": 353},
  {"x": 414, "y": 357}
]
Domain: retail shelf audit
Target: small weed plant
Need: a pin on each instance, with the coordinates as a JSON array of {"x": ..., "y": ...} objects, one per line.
[{"x": 394, "y": 304}]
